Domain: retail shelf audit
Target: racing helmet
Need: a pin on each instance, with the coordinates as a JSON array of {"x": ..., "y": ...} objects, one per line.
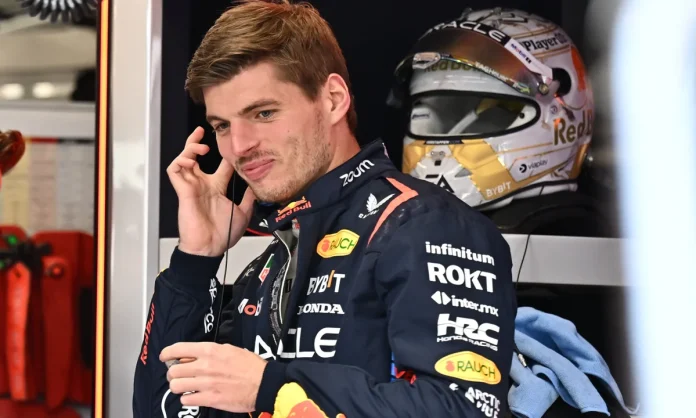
[{"x": 500, "y": 107}]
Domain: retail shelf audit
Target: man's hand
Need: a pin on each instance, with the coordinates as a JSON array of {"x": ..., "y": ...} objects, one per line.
[
  {"x": 204, "y": 209},
  {"x": 220, "y": 376}
]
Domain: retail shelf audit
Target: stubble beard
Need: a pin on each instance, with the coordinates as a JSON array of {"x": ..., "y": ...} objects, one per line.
[{"x": 308, "y": 161}]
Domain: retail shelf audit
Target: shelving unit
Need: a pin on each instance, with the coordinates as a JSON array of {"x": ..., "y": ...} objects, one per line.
[
  {"x": 549, "y": 259},
  {"x": 49, "y": 119}
]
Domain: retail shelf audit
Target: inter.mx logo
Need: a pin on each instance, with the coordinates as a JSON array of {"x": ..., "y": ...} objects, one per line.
[
  {"x": 441, "y": 298},
  {"x": 466, "y": 329}
]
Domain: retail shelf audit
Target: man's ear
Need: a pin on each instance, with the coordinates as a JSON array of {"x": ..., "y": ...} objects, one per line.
[{"x": 337, "y": 97}]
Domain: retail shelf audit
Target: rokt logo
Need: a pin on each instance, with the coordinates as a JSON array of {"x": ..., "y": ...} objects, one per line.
[
  {"x": 469, "y": 366},
  {"x": 453, "y": 274},
  {"x": 339, "y": 244}
]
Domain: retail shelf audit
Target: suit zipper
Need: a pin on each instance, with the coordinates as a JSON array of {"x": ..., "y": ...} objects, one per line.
[{"x": 285, "y": 275}]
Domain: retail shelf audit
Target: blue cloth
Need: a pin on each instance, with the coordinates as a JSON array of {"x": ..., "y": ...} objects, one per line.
[
  {"x": 559, "y": 359},
  {"x": 529, "y": 396}
]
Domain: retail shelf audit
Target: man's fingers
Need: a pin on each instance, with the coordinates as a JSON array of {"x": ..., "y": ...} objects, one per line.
[
  {"x": 194, "y": 150},
  {"x": 188, "y": 384},
  {"x": 180, "y": 361},
  {"x": 196, "y": 136},
  {"x": 247, "y": 203},
  {"x": 201, "y": 399},
  {"x": 183, "y": 369},
  {"x": 224, "y": 172},
  {"x": 184, "y": 350},
  {"x": 180, "y": 163}
]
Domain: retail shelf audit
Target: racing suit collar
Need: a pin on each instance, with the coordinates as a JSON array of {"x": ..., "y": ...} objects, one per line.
[{"x": 335, "y": 185}]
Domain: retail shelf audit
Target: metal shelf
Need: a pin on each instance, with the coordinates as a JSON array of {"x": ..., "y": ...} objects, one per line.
[
  {"x": 567, "y": 260},
  {"x": 549, "y": 259}
]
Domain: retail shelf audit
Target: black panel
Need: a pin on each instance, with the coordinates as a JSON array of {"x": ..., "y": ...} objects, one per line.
[
  {"x": 176, "y": 52},
  {"x": 374, "y": 36}
]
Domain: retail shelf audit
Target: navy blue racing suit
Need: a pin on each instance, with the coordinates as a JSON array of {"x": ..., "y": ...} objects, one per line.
[{"x": 401, "y": 304}]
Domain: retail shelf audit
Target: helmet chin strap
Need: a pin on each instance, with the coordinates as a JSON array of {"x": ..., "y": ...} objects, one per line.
[{"x": 464, "y": 123}]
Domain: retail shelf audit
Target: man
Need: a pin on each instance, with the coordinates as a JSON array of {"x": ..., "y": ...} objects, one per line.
[{"x": 381, "y": 295}]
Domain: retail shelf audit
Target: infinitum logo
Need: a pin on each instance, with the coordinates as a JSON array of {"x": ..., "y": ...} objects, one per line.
[
  {"x": 441, "y": 298},
  {"x": 461, "y": 252}
]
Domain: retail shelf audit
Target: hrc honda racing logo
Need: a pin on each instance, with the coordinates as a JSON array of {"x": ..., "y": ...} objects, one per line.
[{"x": 466, "y": 329}]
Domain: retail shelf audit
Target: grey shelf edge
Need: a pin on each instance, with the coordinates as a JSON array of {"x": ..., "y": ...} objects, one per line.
[
  {"x": 549, "y": 260},
  {"x": 51, "y": 119},
  {"x": 568, "y": 260}
]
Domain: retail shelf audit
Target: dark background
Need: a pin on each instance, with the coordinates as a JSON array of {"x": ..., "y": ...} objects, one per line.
[{"x": 374, "y": 36}]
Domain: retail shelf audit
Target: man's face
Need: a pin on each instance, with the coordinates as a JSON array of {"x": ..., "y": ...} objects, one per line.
[{"x": 273, "y": 135}]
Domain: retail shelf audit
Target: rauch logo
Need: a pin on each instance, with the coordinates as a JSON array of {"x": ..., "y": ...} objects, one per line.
[
  {"x": 339, "y": 244},
  {"x": 467, "y": 365}
]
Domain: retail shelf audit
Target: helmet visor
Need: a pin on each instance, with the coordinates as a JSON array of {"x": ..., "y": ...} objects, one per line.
[
  {"x": 483, "y": 48},
  {"x": 461, "y": 115}
]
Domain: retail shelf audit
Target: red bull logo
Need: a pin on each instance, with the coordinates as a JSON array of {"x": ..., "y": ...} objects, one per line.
[{"x": 293, "y": 207}]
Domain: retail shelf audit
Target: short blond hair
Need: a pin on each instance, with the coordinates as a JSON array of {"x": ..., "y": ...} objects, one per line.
[{"x": 293, "y": 37}]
